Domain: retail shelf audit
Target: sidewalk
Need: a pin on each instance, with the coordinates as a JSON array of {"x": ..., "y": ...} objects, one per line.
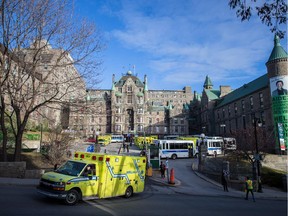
[{"x": 268, "y": 193}]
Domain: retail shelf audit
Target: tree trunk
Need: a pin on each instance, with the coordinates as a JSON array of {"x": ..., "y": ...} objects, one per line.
[
  {"x": 4, "y": 131},
  {"x": 18, "y": 146}
]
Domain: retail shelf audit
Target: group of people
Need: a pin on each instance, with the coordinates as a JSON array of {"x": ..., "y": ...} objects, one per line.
[{"x": 248, "y": 185}]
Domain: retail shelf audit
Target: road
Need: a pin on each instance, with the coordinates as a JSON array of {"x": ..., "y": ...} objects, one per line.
[
  {"x": 194, "y": 196},
  {"x": 156, "y": 200}
]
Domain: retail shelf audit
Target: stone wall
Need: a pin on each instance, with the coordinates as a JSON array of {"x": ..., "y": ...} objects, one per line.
[
  {"x": 278, "y": 162},
  {"x": 13, "y": 169}
]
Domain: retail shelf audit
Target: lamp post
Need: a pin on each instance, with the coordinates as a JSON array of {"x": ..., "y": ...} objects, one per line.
[
  {"x": 97, "y": 147},
  {"x": 200, "y": 151},
  {"x": 257, "y": 156}
]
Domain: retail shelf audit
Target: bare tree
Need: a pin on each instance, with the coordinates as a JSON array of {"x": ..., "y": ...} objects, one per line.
[
  {"x": 58, "y": 145},
  {"x": 34, "y": 75},
  {"x": 273, "y": 14}
]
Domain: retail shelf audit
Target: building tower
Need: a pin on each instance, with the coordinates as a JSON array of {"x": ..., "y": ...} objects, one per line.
[{"x": 277, "y": 69}]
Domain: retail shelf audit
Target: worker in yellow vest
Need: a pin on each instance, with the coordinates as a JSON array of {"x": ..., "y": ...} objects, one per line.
[{"x": 249, "y": 188}]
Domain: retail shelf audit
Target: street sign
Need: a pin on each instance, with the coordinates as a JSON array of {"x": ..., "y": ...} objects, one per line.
[{"x": 90, "y": 148}]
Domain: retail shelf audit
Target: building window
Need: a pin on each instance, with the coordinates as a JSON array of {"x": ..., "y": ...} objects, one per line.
[
  {"x": 140, "y": 100},
  {"x": 157, "y": 129},
  {"x": 223, "y": 112},
  {"x": 165, "y": 129},
  {"x": 175, "y": 121},
  {"x": 100, "y": 120},
  {"x": 129, "y": 99},
  {"x": 251, "y": 102},
  {"x": 218, "y": 114},
  {"x": 176, "y": 129},
  {"x": 118, "y": 119},
  {"x": 158, "y": 120},
  {"x": 129, "y": 88},
  {"x": 261, "y": 99},
  {"x": 182, "y": 121},
  {"x": 182, "y": 129},
  {"x": 150, "y": 120},
  {"x": 229, "y": 111},
  {"x": 139, "y": 119},
  {"x": 118, "y": 110},
  {"x": 117, "y": 127},
  {"x": 118, "y": 99},
  {"x": 120, "y": 90},
  {"x": 262, "y": 118},
  {"x": 243, "y": 106},
  {"x": 140, "y": 110},
  {"x": 140, "y": 128},
  {"x": 244, "y": 121},
  {"x": 235, "y": 108}
]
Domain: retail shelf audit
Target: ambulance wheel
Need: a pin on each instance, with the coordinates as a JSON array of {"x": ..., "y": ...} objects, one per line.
[
  {"x": 72, "y": 197},
  {"x": 128, "y": 192}
]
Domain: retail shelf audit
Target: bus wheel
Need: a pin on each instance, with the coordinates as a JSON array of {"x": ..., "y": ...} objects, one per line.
[
  {"x": 174, "y": 156},
  {"x": 72, "y": 197},
  {"x": 128, "y": 192}
]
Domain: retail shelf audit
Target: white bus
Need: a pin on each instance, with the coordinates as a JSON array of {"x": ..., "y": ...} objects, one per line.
[
  {"x": 176, "y": 148},
  {"x": 229, "y": 143},
  {"x": 214, "y": 145},
  {"x": 117, "y": 138}
]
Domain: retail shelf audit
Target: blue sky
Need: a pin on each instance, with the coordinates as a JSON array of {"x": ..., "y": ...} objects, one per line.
[{"x": 176, "y": 43}]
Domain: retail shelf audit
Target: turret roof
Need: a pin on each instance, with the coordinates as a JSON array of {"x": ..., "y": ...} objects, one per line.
[{"x": 278, "y": 52}]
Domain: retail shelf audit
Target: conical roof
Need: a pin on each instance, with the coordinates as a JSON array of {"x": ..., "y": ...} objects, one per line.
[
  {"x": 278, "y": 52},
  {"x": 208, "y": 84}
]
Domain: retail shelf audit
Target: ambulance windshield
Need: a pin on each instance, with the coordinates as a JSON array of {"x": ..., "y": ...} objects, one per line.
[{"x": 72, "y": 168}]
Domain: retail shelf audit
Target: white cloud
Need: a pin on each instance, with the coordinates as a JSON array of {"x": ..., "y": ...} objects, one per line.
[{"x": 193, "y": 39}]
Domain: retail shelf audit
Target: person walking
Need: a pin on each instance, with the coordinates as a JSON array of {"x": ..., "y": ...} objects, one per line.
[
  {"x": 224, "y": 181},
  {"x": 127, "y": 146},
  {"x": 249, "y": 188},
  {"x": 162, "y": 169}
]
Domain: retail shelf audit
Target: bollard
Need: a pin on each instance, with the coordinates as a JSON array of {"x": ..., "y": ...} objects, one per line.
[{"x": 172, "y": 179}]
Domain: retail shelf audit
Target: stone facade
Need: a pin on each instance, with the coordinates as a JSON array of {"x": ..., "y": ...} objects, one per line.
[{"x": 129, "y": 107}]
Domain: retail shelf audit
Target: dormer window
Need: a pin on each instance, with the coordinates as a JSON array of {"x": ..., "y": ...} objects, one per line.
[{"x": 129, "y": 88}]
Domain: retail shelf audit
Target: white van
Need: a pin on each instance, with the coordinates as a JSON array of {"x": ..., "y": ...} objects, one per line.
[{"x": 117, "y": 138}]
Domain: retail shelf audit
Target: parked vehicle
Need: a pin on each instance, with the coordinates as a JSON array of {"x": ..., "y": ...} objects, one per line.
[
  {"x": 229, "y": 143},
  {"x": 176, "y": 148},
  {"x": 108, "y": 176},
  {"x": 215, "y": 145},
  {"x": 117, "y": 138}
]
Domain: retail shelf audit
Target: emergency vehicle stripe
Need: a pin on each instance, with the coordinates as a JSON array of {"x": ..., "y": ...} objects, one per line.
[
  {"x": 83, "y": 179},
  {"x": 117, "y": 175},
  {"x": 138, "y": 171}
]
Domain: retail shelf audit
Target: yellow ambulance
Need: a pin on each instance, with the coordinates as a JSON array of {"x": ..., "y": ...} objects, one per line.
[{"x": 95, "y": 175}]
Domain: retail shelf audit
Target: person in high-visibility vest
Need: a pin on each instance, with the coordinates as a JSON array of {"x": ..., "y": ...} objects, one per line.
[{"x": 249, "y": 188}]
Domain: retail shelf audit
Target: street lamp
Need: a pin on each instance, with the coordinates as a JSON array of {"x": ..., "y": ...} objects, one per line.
[
  {"x": 97, "y": 147},
  {"x": 200, "y": 150},
  {"x": 258, "y": 123}
]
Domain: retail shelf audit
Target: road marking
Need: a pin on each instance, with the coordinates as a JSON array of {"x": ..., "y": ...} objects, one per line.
[{"x": 105, "y": 209}]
